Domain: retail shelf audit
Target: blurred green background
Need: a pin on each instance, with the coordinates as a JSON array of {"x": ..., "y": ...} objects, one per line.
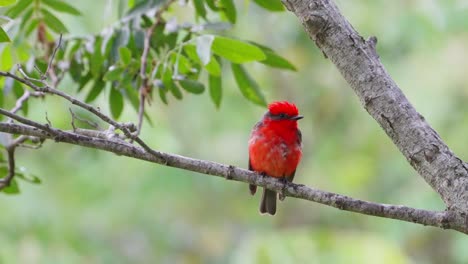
[{"x": 97, "y": 207}]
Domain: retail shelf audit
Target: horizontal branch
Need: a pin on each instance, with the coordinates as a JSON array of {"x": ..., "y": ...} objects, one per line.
[{"x": 443, "y": 219}]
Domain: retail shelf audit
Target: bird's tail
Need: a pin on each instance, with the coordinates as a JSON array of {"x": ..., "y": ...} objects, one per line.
[{"x": 268, "y": 204}]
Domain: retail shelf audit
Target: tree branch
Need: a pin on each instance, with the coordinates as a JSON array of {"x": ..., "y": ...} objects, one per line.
[
  {"x": 125, "y": 128},
  {"x": 443, "y": 219},
  {"x": 358, "y": 62}
]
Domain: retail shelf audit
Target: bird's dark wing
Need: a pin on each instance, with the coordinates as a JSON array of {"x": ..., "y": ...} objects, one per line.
[
  {"x": 290, "y": 178},
  {"x": 299, "y": 137},
  {"x": 252, "y": 188}
]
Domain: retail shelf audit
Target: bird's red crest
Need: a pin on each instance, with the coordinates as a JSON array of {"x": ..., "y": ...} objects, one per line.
[{"x": 283, "y": 107}]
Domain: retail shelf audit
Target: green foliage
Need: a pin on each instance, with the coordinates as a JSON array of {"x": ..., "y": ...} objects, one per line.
[
  {"x": 6, "y": 2},
  {"x": 229, "y": 10},
  {"x": 62, "y": 7},
  {"x": 18, "y": 8},
  {"x": 192, "y": 86},
  {"x": 12, "y": 188},
  {"x": 247, "y": 85},
  {"x": 272, "y": 5},
  {"x": 177, "y": 57},
  {"x": 3, "y": 36},
  {"x": 199, "y": 8},
  {"x": 116, "y": 103},
  {"x": 216, "y": 91},
  {"x": 237, "y": 51}
]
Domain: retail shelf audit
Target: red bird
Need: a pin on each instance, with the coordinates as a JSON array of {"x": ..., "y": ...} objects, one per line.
[{"x": 275, "y": 149}]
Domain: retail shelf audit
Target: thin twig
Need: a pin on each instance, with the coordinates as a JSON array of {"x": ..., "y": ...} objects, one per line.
[
  {"x": 50, "y": 70},
  {"x": 47, "y": 119},
  {"x": 20, "y": 102},
  {"x": 51, "y": 59},
  {"x": 145, "y": 88},
  {"x": 126, "y": 128},
  {"x": 10, "y": 148}
]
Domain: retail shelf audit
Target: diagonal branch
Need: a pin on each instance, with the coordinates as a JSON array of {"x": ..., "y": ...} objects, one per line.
[
  {"x": 358, "y": 62},
  {"x": 125, "y": 128},
  {"x": 443, "y": 219}
]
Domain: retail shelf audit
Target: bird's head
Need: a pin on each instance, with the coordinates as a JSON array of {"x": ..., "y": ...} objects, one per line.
[{"x": 283, "y": 113}]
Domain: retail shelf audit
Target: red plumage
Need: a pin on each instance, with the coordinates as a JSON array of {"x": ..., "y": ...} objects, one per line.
[{"x": 275, "y": 148}]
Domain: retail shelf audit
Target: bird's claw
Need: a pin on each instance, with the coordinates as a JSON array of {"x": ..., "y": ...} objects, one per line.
[{"x": 281, "y": 195}]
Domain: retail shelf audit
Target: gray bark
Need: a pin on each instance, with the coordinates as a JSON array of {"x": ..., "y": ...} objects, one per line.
[
  {"x": 444, "y": 219},
  {"x": 358, "y": 62}
]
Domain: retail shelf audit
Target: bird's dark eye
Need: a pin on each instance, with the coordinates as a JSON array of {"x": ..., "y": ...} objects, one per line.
[{"x": 282, "y": 115}]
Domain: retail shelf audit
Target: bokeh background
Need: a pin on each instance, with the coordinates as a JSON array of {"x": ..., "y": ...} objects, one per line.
[{"x": 96, "y": 207}]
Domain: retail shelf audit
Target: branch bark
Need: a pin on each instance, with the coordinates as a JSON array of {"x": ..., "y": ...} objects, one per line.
[
  {"x": 358, "y": 62},
  {"x": 442, "y": 219}
]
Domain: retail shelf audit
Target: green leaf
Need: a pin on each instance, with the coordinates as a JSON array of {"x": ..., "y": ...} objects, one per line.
[
  {"x": 169, "y": 84},
  {"x": 18, "y": 89},
  {"x": 192, "y": 86},
  {"x": 276, "y": 61},
  {"x": 114, "y": 74},
  {"x": 25, "y": 107},
  {"x": 162, "y": 95},
  {"x": 183, "y": 64},
  {"x": 6, "y": 58},
  {"x": 247, "y": 85},
  {"x": 212, "y": 67},
  {"x": 271, "y": 5},
  {"x": 28, "y": 177},
  {"x": 236, "y": 51},
  {"x": 53, "y": 22},
  {"x": 229, "y": 9},
  {"x": 176, "y": 92},
  {"x": 76, "y": 69},
  {"x": 131, "y": 94},
  {"x": 3, "y": 36},
  {"x": 12, "y": 188},
  {"x": 82, "y": 82},
  {"x": 212, "y": 5},
  {"x": 26, "y": 18},
  {"x": 6, "y": 2},
  {"x": 98, "y": 86},
  {"x": 199, "y": 8},
  {"x": 18, "y": 8},
  {"x": 120, "y": 38},
  {"x": 116, "y": 103},
  {"x": 62, "y": 6},
  {"x": 166, "y": 78},
  {"x": 33, "y": 25},
  {"x": 125, "y": 55},
  {"x": 216, "y": 91},
  {"x": 96, "y": 59}
]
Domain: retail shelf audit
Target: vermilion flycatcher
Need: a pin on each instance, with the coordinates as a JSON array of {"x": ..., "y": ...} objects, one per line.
[{"x": 275, "y": 149}]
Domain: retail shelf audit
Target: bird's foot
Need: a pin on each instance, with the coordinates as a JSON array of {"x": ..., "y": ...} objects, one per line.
[{"x": 281, "y": 195}]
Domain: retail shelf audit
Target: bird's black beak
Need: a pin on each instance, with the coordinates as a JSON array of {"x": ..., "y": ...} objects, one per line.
[{"x": 298, "y": 117}]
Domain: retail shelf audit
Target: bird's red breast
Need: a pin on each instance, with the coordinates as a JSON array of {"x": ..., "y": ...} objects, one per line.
[{"x": 275, "y": 151}]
